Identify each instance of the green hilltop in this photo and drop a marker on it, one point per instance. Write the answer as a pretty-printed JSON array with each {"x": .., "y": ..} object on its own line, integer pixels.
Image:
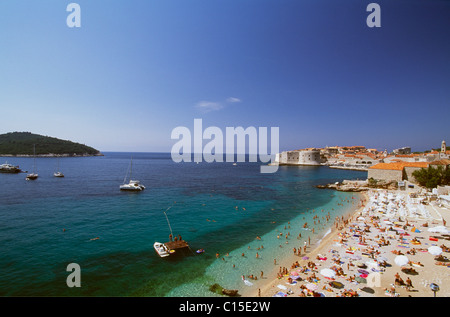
[{"x": 21, "y": 143}]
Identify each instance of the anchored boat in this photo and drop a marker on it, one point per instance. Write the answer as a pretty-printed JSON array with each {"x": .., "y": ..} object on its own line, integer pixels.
[
  {"x": 161, "y": 249},
  {"x": 8, "y": 168},
  {"x": 133, "y": 185},
  {"x": 33, "y": 175}
]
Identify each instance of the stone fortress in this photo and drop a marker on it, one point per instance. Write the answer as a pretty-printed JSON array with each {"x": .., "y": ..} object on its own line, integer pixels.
[{"x": 361, "y": 158}]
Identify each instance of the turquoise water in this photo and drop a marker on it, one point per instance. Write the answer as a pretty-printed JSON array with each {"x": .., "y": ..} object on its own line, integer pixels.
[{"x": 48, "y": 223}]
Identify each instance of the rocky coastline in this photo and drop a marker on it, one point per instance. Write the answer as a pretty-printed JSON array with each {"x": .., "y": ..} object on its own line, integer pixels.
[{"x": 358, "y": 186}]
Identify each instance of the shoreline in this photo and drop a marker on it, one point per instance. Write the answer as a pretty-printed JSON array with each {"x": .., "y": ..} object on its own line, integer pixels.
[
  {"x": 51, "y": 155},
  {"x": 408, "y": 235},
  {"x": 269, "y": 286}
]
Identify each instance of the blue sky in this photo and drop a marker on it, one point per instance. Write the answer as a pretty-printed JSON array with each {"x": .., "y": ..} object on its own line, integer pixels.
[{"x": 137, "y": 69}]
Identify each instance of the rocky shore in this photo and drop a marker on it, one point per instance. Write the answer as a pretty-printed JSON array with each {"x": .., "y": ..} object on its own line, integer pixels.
[{"x": 358, "y": 186}]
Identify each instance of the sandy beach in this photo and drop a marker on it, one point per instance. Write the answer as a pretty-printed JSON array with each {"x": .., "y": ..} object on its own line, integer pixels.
[{"x": 392, "y": 245}]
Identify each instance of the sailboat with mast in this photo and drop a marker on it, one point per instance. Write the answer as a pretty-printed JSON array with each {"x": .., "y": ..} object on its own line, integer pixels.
[
  {"x": 133, "y": 185},
  {"x": 33, "y": 175},
  {"x": 58, "y": 173}
]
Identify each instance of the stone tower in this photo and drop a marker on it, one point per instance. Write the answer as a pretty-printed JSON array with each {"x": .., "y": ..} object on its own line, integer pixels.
[{"x": 443, "y": 147}]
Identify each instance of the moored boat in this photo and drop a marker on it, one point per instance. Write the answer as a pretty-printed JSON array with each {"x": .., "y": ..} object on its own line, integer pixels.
[
  {"x": 33, "y": 175},
  {"x": 133, "y": 185},
  {"x": 58, "y": 173},
  {"x": 161, "y": 249},
  {"x": 9, "y": 168}
]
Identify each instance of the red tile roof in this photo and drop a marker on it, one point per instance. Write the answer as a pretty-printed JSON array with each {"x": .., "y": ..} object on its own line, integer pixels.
[{"x": 399, "y": 165}]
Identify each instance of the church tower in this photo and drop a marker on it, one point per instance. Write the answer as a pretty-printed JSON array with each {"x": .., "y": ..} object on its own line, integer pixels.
[{"x": 443, "y": 147}]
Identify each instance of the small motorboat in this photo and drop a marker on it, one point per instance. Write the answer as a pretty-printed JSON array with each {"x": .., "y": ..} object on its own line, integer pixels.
[{"x": 161, "y": 249}]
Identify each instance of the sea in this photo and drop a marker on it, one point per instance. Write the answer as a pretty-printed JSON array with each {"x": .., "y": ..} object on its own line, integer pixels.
[{"x": 243, "y": 220}]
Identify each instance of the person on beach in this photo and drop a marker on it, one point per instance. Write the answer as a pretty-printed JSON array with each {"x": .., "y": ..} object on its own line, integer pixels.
[{"x": 408, "y": 284}]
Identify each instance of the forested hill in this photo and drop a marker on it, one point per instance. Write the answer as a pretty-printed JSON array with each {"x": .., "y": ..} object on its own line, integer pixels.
[{"x": 21, "y": 143}]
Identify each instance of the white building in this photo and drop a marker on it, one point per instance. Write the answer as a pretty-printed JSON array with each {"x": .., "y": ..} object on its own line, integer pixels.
[{"x": 298, "y": 157}]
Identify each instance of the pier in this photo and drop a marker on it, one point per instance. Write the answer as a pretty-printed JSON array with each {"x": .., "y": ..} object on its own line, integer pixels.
[{"x": 176, "y": 245}]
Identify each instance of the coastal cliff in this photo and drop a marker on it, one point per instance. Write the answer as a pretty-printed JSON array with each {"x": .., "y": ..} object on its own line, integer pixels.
[{"x": 22, "y": 144}]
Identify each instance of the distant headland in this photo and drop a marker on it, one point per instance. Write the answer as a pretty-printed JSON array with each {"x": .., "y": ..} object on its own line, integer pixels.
[{"x": 24, "y": 143}]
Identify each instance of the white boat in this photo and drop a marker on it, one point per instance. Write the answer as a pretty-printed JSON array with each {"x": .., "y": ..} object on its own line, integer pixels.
[
  {"x": 8, "y": 168},
  {"x": 133, "y": 185},
  {"x": 161, "y": 249},
  {"x": 58, "y": 173},
  {"x": 33, "y": 175}
]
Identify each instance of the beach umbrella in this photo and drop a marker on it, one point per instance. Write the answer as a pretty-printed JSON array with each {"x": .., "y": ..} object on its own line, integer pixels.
[
  {"x": 311, "y": 286},
  {"x": 439, "y": 229},
  {"x": 294, "y": 273},
  {"x": 434, "y": 250},
  {"x": 305, "y": 258},
  {"x": 328, "y": 273},
  {"x": 360, "y": 279},
  {"x": 361, "y": 218},
  {"x": 401, "y": 260}
]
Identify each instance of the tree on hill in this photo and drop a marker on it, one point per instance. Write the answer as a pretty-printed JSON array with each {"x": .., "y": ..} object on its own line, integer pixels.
[{"x": 21, "y": 143}]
